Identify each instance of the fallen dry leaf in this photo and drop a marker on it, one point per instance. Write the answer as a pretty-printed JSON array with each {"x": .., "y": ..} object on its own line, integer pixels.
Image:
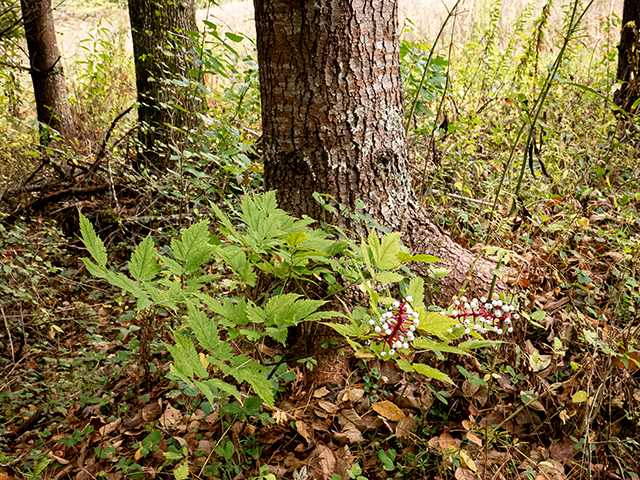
[
  {"x": 305, "y": 430},
  {"x": 403, "y": 429},
  {"x": 389, "y": 410},
  {"x": 151, "y": 410},
  {"x": 472, "y": 438},
  {"x": 109, "y": 428},
  {"x": 170, "y": 417},
  {"x": 563, "y": 450},
  {"x": 323, "y": 462},
  {"x": 468, "y": 461},
  {"x": 350, "y": 435},
  {"x": 352, "y": 395},
  {"x": 328, "y": 406},
  {"x": 349, "y": 415},
  {"x": 464, "y": 474},
  {"x": 447, "y": 441},
  {"x": 320, "y": 392}
]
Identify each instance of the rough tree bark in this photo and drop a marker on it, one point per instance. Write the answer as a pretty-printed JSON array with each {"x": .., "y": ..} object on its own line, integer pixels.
[
  {"x": 629, "y": 57},
  {"x": 163, "y": 53},
  {"x": 47, "y": 76},
  {"x": 332, "y": 120}
]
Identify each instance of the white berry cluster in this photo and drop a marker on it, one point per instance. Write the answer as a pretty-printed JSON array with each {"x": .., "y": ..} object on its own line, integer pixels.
[
  {"x": 483, "y": 316},
  {"x": 395, "y": 327}
]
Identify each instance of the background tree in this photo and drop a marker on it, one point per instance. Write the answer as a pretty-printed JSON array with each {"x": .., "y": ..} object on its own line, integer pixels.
[
  {"x": 332, "y": 119},
  {"x": 629, "y": 56},
  {"x": 162, "y": 51},
  {"x": 47, "y": 75}
]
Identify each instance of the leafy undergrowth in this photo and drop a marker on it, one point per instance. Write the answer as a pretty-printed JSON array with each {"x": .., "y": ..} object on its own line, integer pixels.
[{"x": 559, "y": 398}]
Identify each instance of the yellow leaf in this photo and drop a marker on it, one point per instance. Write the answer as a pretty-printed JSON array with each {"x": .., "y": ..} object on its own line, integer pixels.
[
  {"x": 579, "y": 397},
  {"x": 203, "y": 360},
  {"x": 389, "y": 410},
  {"x": 470, "y": 464}
]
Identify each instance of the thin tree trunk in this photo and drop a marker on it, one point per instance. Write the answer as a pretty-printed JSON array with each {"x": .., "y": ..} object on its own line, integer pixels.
[
  {"x": 46, "y": 69},
  {"x": 629, "y": 57},
  {"x": 163, "y": 53},
  {"x": 332, "y": 118}
]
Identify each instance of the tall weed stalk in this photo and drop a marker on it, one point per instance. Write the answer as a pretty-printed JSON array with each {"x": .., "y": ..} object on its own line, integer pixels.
[{"x": 573, "y": 23}]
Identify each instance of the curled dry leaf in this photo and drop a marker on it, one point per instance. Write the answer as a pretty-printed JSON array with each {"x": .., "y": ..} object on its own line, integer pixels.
[
  {"x": 151, "y": 410},
  {"x": 109, "y": 428},
  {"x": 473, "y": 439},
  {"x": 305, "y": 430},
  {"x": 468, "y": 461},
  {"x": 351, "y": 395}
]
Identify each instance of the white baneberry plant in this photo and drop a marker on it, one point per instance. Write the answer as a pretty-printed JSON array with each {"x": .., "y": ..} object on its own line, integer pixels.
[
  {"x": 483, "y": 317},
  {"x": 396, "y": 327}
]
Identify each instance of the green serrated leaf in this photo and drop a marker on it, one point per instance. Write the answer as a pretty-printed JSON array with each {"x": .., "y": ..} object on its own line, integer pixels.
[
  {"x": 245, "y": 370},
  {"x": 144, "y": 264},
  {"x": 94, "y": 244},
  {"x": 186, "y": 359},
  {"x": 125, "y": 283},
  {"x": 404, "y": 365},
  {"x": 422, "y": 342},
  {"x": 236, "y": 258},
  {"x": 474, "y": 344},
  {"x": 288, "y": 310},
  {"x": 214, "y": 384},
  {"x": 93, "y": 269},
  {"x": 431, "y": 372},
  {"x": 385, "y": 252},
  {"x": 205, "y": 329},
  {"x": 423, "y": 257},
  {"x": 193, "y": 248},
  {"x": 416, "y": 290},
  {"x": 181, "y": 472},
  {"x": 389, "y": 277},
  {"x": 435, "y": 323},
  {"x": 296, "y": 238},
  {"x": 347, "y": 330}
]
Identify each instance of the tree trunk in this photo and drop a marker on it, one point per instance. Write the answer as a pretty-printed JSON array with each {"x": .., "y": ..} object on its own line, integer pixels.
[
  {"x": 629, "y": 57},
  {"x": 163, "y": 53},
  {"x": 46, "y": 70},
  {"x": 332, "y": 119}
]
